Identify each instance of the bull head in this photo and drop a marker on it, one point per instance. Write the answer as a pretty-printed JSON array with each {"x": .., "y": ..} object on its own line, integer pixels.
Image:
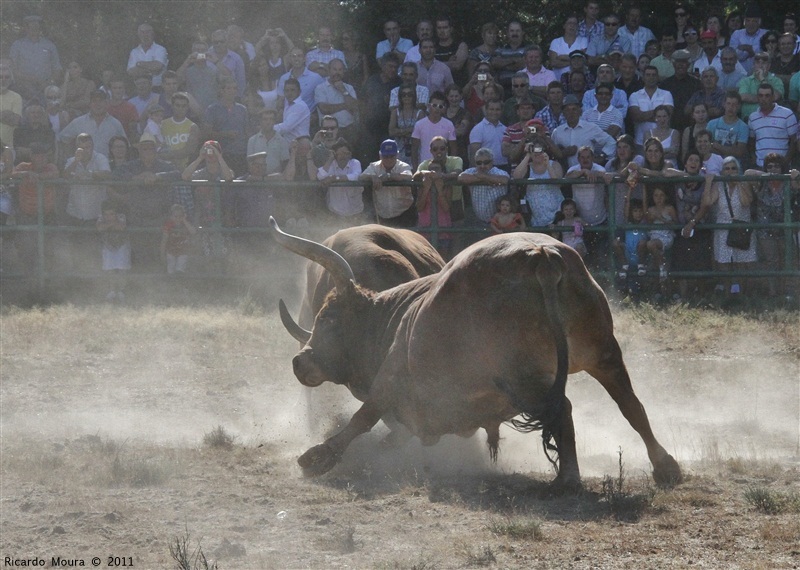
[{"x": 334, "y": 263}]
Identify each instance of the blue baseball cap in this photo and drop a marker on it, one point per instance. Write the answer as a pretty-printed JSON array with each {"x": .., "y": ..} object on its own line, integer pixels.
[{"x": 388, "y": 148}]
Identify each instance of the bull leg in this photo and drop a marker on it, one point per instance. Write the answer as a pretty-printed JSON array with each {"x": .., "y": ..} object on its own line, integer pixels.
[
  {"x": 612, "y": 374},
  {"x": 398, "y": 433},
  {"x": 323, "y": 457},
  {"x": 569, "y": 474}
]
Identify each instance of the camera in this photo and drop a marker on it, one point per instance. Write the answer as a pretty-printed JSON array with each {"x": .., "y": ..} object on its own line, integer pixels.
[
  {"x": 326, "y": 134},
  {"x": 531, "y": 130},
  {"x": 482, "y": 77}
]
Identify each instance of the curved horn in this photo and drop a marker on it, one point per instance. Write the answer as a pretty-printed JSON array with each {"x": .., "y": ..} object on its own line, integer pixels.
[
  {"x": 334, "y": 263},
  {"x": 299, "y": 333}
]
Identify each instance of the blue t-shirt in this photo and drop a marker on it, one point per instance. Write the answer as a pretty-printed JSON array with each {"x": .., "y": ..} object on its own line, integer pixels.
[{"x": 728, "y": 135}]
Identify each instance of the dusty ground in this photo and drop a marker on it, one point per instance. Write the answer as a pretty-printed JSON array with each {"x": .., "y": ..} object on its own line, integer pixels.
[{"x": 103, "y": 413}]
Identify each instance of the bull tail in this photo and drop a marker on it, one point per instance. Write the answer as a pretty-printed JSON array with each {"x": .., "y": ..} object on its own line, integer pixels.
[{"x": 550, "y": 269}]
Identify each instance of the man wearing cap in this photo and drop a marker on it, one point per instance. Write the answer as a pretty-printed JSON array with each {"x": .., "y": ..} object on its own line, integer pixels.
[
  {"x": 747, "y": 40},
  {"x": 642, "y": 104},
  {"x": 576, "y": 133},
  {"x": 148, "y": 58},
  {"x": 394, "y": 205},
  {"x": 577, "y": 63},
  {"x": 681, "y": 86},
  {"x": 273, "y": 145},
  {"x": 604, "y": 114},
  {"x": 663, "y": 61},
  {"x": 514, "y": 137},
  {"x": 35, "y": 60},
  {"x": 97, "y": 123},
  {"x": 602, "y": 45},
  {"x": 748, "y": 86}
]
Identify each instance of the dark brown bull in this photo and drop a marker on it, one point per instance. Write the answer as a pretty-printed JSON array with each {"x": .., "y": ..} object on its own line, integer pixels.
[{"x": 489, "y": 339}]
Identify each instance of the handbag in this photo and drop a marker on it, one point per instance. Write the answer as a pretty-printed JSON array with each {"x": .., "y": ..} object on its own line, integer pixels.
[{"x": 738, "y": 236}]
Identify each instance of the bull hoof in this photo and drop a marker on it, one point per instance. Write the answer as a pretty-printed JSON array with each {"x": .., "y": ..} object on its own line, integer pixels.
[
  {"x": 667, "y": 473},
  {"x": 318, "y": 460}
]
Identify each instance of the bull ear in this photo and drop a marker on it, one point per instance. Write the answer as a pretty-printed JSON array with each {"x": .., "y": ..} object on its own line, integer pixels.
[
  {"x": 334, "y": 263},
  {"x": 298, "y": 333}
]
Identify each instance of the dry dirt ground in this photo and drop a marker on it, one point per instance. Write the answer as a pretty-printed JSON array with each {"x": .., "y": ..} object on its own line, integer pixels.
[{"x": 104, "y": 411}]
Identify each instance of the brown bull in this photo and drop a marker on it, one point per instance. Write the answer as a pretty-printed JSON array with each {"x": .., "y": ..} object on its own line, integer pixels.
[{"x": 489, "y": 339}]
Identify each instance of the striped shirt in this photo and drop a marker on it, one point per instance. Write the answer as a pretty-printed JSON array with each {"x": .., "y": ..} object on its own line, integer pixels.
[
  {"x": 605, "y": 119},
  {"x": 772, "y": 131}
]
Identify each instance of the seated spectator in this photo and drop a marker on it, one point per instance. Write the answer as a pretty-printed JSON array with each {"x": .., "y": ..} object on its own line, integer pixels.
[
  {"x": 237, "y": 44},
  {"x": 577, "y": 85},
  {"x": 428, "y": 127},
  {"x": 485, "y": 51},
  {"x": 457, "y": 114},
  {"x": 10, "y": 107},
  {"x": 637, "y": 34},
  {"x": 337, "y": 98},
  {"x": 618, "y": 166},
  {"x": 58, "y": 116},
  {"x": 345, "y": 202},
  {"x": 663, "y": 61},
  {"x": 510, "y": 57},
  {"x": 169, "y": 86},
  {"x": 507, "y": 219},
  {"x": 487, "y": 183},
  {"x": 520, "y": 89},
  {"x": 577, "y": 64},
  {"x": 393, "y": 42},
  {"x": 260, "y": 80},
  {"x": 394, "y": 205},
  {"x": 773, "y": 128},
  {"x": 424, "y": 32},
  {"x": 320, "y": 57},
  {"x": 711, "y": 162}
]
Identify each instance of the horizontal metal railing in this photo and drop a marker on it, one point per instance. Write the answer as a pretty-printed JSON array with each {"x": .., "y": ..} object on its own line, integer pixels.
[{"x": 284, "y": 189}]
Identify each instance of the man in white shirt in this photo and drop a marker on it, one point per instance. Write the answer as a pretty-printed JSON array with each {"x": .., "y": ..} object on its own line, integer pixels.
[
  {"x": 642, "y": 104},
  {"x": 148, "y": 58},
  {"x": 636, "y": 33},
  {"x": 424, "y": 32},
  {"x": 576, "y": 133},
  {"x": 337, "y": 98},
  {"x": 393, "y": 42},
  {"x": 296, "y": 116}
]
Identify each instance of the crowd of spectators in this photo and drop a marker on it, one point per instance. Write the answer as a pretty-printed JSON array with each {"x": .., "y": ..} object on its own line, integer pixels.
[{"x": 608, "y": 104}]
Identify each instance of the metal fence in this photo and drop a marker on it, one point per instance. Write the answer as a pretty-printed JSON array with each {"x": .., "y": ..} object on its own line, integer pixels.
[{"x": 283, "y": 190}]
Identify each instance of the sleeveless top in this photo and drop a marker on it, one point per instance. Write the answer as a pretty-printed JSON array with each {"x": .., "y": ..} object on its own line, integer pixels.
[{"x": 404, "y": 143}]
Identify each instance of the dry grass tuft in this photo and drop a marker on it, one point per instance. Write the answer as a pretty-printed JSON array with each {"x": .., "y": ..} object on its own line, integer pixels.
[
  {"x": 218, "y": 438},
  {"x": 518, "y": 529},
  {"x": 772, "y": 502},
  {"x": 484, "y": 556},
  {"x": 188, "y": 558}
]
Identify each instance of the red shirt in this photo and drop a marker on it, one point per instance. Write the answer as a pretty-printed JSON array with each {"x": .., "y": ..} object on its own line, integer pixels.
[
  {"x": 126, "y": 114},
  {"x": 28, "y": 201}
]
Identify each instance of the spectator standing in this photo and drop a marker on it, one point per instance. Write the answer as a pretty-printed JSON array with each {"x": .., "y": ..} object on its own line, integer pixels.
[
  {"x": 432, "y": 73},
  {"x": 273, "y": 145},
  {"x": 76, "y": 90},
  {"x": 487, "y": 184},
  {"x": 376, "y": 96},
  {"x": 486, "y": 51},
  {"x": 619, "y": 100},
  {"x": 642, "y": 104},
  {"x": 394, "y": 205},
  {"x": 489, "y": 134},
  {"x": 732, "y": 71},
  {"x": 143, "y": 98},
  {"x": 576, "y": 133},
  {"x": 356, "y": 63},
  {"x": 115, "y": 249},
  {"x": 34, "y": 129},
  {"x": 591, "y": 198},
  {"x": 510, "y": 58},
  {"x": 747, "y": 41},
  {"x": 786, "y": 63},
  {"x": 122, "y": 109},
  {"x": 35, "y": 60},
  {"x": 729, "y": 132},
  {"x": 749, "y": 86},
  {"x": 544, "y": 200},
  {"x": 516, "y": 134},
  {"x": 176, "y": 244},
  {"x": 148, "y": 58},
  {"x": 637, "y": 34},
  {"x": 435, "y": 124},
  {"x": 296, "y": 118},
  {"x": 424, "y": 32},
  {"x": 710, "y": 94},
  {"x": 318, "y": 59},
  {"x": 681, "y": 86},
  {"x": 337, "y": 98},
  {"x": 603, "y": 114},
  {"x": 10, "y": 107},
  {"x": 591, "y": 26},
  {"x": 237, "y": 43},
  {"x": 200, "y": 76},
  {"x": 307, "y": 79},
  {"x": 393, "y": 42},
  {"x": 221, "y": 56},
  {"x": 439, "y": 172},
  {"x": 560, "y": 49},
  {"x": 552, "y": 114},
  {"x": 539, "y": 77},
  {"x": 773, "y": 128},
  {"x": 450, "y": 50},
  {"x": 119, "y": 152},
  {"x": 409, "y": 75},
  {"x": 181, "y": 136},
  {"x": 601, "y": 46},
  {"x": 97, "y": 123},
  {"x": 663, "y": 61},
  {"x": 344, "y": 202},
  {"x": 227, "y": 123},
  {"x": 403, "y": 120}
]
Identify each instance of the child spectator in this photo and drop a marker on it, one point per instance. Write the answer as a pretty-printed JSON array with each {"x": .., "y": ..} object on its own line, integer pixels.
[
  {"x": 153, "y": 126},
  {"x": 567, "y": 216},
  {"x": 176, "y": 240},
  {"x": 660, "y": 240},
  {"x": 633, "y": 251},
  {"x": 507, "y": 218},
  {"x": 116, "y": 249}
]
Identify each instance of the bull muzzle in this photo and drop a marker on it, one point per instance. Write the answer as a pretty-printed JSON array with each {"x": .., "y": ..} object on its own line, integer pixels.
[{"x": 306, "y": 371}]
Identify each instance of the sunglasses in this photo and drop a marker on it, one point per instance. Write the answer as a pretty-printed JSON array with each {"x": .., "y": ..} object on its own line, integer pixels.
[
  {"x": 518, "y": 85},
  {"x": 483, "y": 162},
  {"x": 437, "y": 105}
]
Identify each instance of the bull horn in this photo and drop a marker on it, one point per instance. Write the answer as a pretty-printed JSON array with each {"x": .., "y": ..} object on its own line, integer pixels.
[
  {"x": 299, "y": 333},
  {"x": 334, "y": 263}
]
